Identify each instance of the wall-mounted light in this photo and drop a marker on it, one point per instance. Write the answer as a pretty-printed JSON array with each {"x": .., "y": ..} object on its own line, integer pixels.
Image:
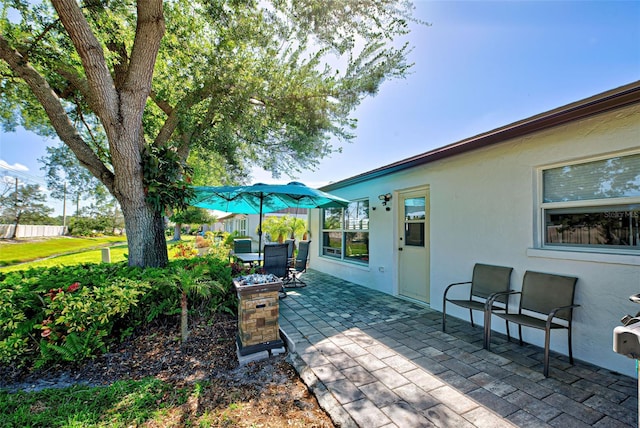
[{"x": 385, "y": 198}]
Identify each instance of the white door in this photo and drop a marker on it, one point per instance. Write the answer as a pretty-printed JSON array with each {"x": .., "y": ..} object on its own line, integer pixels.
[{"x": 413, "y": 244}]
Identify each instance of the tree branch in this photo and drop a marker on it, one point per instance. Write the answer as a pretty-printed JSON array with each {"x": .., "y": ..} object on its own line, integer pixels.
[
  {"x": 88, "y": 47},
  {"x": 173, "y": 119},
  {"x": 56, "y": 113},
  {"x": 137, "y": 85}
]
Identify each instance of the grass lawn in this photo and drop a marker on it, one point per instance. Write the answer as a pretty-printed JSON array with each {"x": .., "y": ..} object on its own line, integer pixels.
[
  {"x": 22, "y": 251},
  {"x": 123, "y": 404},
  {"x": 72, "y": 251},
  {"x": 118, "y": 254}
]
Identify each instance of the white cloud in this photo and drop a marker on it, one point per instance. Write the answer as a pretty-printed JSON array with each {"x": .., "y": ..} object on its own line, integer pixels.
[{"x": 14, "y": 167}]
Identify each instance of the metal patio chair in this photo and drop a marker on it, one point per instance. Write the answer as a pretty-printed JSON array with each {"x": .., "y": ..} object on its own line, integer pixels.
[
  {"x": 299, "y": 265},
  {"x": 241, "y": 245},
  {"x": 485, "y": 282},
  {"x": 275, "y": 262},
  {"x": 546, "y": 303}
]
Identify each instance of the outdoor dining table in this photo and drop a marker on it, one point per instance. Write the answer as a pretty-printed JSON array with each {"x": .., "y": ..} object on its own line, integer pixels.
[{"x": 250, "y": 258}]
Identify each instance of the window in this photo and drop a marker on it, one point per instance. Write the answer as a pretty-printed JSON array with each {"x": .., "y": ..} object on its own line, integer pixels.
[
  {"x": 414, "y": 221},
  {"x": 236, "y": 224},
  {"x": 593, "y": 205},
  {"x": 345, "y": 232}
]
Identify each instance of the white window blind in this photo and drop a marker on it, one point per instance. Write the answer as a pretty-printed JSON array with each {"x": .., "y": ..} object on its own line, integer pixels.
[{"x": 617, "y": 177}]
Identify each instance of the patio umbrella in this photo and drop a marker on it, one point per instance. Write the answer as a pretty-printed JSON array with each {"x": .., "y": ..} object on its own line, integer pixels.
[{"x": 263, "y": 198}]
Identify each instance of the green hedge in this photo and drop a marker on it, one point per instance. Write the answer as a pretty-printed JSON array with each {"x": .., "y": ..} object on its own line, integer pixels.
[{"x": 49, "y": 315}]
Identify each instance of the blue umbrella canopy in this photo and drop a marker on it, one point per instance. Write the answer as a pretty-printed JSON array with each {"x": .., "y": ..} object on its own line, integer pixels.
[{"x": 263, "y": 198}]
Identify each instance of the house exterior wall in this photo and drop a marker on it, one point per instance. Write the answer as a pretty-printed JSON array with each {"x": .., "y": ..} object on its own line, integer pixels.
[{"x": 484, "y": 209}]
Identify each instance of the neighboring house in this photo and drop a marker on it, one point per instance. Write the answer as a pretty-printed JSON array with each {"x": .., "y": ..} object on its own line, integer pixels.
[
  {"x": 247, "y": 224},
  {"x": 558, "y": 192}
]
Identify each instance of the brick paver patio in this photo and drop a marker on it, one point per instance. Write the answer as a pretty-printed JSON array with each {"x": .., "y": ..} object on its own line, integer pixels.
[{"x": 374, "y": 360}]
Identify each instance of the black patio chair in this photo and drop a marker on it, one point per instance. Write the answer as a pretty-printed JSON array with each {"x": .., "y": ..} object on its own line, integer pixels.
[
  {"x": 485, "y": 282},
  {"x": 275, "y": 262},
  {"x": 291, "y": 243},
  {"x": 546, "y": 303},
  {"x": 299, "y": 265},
  {"x": 241, "y": 245}
]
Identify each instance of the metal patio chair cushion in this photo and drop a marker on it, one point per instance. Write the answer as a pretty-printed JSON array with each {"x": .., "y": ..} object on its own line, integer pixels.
[
  {"x": 485, "y": 282},
  {"x": 546, "y": 303}
]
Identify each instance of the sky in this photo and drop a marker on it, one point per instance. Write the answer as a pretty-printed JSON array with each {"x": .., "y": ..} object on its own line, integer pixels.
[{"x": 478, "y": 66}]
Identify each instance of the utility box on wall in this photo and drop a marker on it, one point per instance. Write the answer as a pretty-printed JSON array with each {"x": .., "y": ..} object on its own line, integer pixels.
[{"x": 258, "y": 312}]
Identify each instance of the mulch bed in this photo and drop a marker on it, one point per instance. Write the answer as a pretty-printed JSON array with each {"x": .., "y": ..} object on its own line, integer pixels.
[{"x": 263, "y": 393}]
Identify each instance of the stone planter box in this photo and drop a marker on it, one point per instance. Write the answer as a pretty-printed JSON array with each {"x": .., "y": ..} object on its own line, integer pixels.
[{"x": 258, "y": 312}]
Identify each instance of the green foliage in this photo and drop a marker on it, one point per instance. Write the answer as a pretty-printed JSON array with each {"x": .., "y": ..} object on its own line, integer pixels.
[
  {"x": 192, "y": 215},
  {"x": 89, "y": 226},
  {"x": 218, "y": 249},
  {"x": 166, "y": 178},
  {"x": 183, "y": 250},
  {"x": 75, "y": 312},
  {"x": 244, "y": 83},
  {"x": 74, "y": 347},
  {"x": 24, "y": 205},
  {"x": 281, "y": 228},
  {"x": 228, "y": 240},
  {"x": 67, "y": 178}
]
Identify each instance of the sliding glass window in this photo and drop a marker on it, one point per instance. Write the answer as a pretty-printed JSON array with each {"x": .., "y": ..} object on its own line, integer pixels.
[{"x": 345, "y": 232}]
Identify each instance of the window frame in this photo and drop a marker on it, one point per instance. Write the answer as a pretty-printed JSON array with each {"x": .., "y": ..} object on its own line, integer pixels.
[
  {"x": 623, "y": 203},
  {"x": 343, "y": 230}
]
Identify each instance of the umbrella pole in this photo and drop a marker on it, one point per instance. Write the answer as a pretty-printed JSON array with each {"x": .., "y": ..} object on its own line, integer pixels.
[{"x": 260, "y": 229}]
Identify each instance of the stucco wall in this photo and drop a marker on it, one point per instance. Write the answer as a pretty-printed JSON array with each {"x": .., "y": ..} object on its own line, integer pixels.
[{"x": 484, "y": 209}]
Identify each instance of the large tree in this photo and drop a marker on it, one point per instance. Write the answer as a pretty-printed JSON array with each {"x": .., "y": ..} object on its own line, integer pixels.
[{"x": 133, "y": 87}]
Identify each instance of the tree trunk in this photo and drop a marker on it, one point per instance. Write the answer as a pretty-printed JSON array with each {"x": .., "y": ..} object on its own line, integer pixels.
[
  {"x": 145, "y": 236},
  {"x": 176, "y": 232},
  {"x": 184, "y": 318},
  {"x": 15, "y": 227}
]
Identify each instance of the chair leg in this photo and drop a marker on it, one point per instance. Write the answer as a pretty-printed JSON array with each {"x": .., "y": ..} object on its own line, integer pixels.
[
  {"x": 488, "y": 338},
  {"x": 444, "y": 313},
  {"x": 508, "y": 333},
  {"x": 569, "y": 343},
  {"x": 297, "y": 282},
  {"x": 547, "y": 333},
  {"x": 520, "y": 334},
  {"x": 471, "y": 317},
  {"x": 487, "y": 328}
]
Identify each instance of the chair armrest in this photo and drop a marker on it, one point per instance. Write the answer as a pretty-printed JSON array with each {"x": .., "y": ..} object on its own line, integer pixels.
[
  {"x": 446, "y": 290},
  {"x": 554, "y": 311},
  {"x": 488, "y": 304}
]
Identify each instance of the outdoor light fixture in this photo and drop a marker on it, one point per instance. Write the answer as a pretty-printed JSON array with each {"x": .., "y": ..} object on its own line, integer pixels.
[{"x": 385, "y": 198}]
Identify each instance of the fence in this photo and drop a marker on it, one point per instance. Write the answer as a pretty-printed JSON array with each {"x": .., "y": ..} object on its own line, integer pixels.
[{"x": 31, "y": 231}]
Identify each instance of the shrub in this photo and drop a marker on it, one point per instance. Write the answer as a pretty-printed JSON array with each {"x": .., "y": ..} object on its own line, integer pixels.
[
  {"x": 89, "y": 226},
  {"x": 183, "y": 251},
  {"x": 79, "y": 318},
  {"x": 48, "y": 315}
]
